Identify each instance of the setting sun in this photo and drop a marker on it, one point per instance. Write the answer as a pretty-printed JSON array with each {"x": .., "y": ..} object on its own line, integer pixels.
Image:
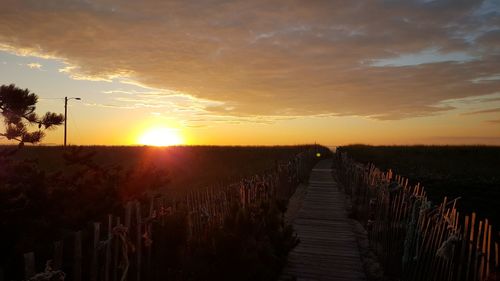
[{"x": 161, "y": 137}]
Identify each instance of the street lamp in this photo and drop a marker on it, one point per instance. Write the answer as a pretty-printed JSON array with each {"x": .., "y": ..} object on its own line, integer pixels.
[{"x": 66, "y": 115}]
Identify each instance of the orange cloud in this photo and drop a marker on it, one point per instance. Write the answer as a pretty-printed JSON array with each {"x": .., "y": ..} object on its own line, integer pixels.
[
  {"x": 261, "y": 58},
  {"x": 486, "y": 111}
]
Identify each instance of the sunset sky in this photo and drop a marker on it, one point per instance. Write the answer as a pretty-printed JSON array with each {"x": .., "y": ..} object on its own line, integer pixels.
[{"x": 260, "y": 72}]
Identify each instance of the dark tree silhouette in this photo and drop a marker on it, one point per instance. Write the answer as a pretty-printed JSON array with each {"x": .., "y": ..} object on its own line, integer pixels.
[{"x": 17, "y": 107}]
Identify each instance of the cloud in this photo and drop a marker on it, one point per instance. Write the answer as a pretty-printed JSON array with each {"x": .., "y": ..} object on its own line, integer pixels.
[
  {"x": 472, "y": 100},
  {"x": 424, "y": 57},
  {"x": 165, "y": 103},
  {"x": 486, "y": 111},
  {"x": 34, "y": 65},
  {"x": 486, "y": 78},
  {"x": 261, "y": 58},
  {"x": 496, "y": 121}
]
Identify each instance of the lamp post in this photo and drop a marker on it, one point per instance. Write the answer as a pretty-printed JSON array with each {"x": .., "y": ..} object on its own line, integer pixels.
[{"x": 66, "y": 116}]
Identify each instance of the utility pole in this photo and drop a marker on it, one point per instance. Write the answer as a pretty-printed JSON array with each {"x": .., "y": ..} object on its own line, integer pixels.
[{"x": 66, "y": 116}]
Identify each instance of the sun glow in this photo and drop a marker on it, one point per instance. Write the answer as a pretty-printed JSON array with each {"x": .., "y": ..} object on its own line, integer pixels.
[{"x": 161, "y": 137}]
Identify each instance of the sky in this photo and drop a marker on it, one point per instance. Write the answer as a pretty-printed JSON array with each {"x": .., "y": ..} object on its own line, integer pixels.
[{"x": 260, "y": 72}]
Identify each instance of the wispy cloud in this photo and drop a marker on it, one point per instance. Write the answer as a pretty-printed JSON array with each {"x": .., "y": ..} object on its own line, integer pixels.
[
  {"x": 423, "y": 57},
  {"x": 486, "y": 78},
  {"x": 485, "y": 111},
  {"x": 495, "y": 121},
  {"x": 107, "y": 105},
  {"x": 34, "y": 65}
]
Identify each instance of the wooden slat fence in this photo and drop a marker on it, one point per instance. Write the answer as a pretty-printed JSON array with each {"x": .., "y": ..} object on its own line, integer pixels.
[
  {"x": 122, "y": 246},
  {"x": 414, "y": 239}
]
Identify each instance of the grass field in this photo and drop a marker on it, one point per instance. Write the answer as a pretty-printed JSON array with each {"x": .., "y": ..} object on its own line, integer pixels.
[
  {"x": 469, "y": 172},
  {"x": 47, "y": 193},
  {"x": 187, "y": 166},
  {"x": 83, "y": 182}
]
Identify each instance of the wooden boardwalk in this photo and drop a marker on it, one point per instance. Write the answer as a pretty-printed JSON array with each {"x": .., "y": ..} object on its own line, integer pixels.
[{"x": 328, "y": 249}]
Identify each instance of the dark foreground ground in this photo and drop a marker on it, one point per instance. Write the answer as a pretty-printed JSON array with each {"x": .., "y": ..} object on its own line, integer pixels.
[
  {"x": 49, "y": 192},
  {"x": 469, "y": 172}
]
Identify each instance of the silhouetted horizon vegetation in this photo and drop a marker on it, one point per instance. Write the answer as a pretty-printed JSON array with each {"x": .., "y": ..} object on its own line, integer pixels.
[
  {"x": 470, "y": 172},
  {"x": 224, "y": 161}
]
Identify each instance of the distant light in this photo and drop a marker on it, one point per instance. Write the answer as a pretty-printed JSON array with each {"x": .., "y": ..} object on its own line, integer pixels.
[{"x": 318, "y": 154}]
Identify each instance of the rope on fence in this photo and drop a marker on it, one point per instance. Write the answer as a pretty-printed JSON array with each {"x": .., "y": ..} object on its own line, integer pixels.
[{"x": 49, "y": 274}]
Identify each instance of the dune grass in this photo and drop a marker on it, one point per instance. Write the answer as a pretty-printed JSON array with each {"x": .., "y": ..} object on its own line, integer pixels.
[{"x": 469, "y": 172}]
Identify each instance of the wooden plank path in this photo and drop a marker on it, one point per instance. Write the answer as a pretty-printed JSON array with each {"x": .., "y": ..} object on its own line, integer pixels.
[{"x": 328, "y": 249}]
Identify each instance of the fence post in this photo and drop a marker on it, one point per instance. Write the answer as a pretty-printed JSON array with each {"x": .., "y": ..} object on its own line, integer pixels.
[
  {"x": 116, "y": 253},
  {"x": 108, "y": 248},
  {"x": 471, "y": 240},
  {"x": 95, "y": 252},
  {"x": 58, "y": 254},
  {"x": 77, "y": 266},
  {"x": 138, "y": 238},
  {"x": 149, "y": 231},
  {"x": 128, "y": 223},
  {"x": 29, "y": 265},
  {"x": 128, "y": 216}
]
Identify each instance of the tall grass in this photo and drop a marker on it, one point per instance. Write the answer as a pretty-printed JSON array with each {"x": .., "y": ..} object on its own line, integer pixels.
[{"x": 469, "y": 172}]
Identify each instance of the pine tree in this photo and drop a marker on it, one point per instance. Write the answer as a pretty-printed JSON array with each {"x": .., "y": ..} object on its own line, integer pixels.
[{"x": 17, "y": 107}]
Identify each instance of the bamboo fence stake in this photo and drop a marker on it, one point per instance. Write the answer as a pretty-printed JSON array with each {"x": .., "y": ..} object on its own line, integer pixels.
[
  {"x": 138, "y": 233},
  {"x": 77, "y": 266},
  {"x": 463, "y": 247},
  {"x": 149, "y": 231},
  {"x": 58, "y": 255},
  {"x": 437, "y": 240},
  {"x": 496, "y": 254},
  {"x": 95, "y": 252},
  {"x": 29, "y": 265},
  {"x": 471, "y": 240},
  {"x": 107, "y": 266},
  {"x": 116, "y": 253},
  {"x": 428, "y": 251},
  {"x": 128, "y": 216},
  {"x": 189, "y": 217},
  {"x": 488, "y": 254},
  {"x": 478, "y": 243},
  {"x": 483, "y": 250}
]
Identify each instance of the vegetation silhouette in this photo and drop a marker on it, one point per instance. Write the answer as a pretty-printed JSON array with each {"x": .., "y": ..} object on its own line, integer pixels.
[
  {"x": 469, "y": 172},
  {"x": 39, "y": 206},
  {"x": 17, "y": 107}
]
